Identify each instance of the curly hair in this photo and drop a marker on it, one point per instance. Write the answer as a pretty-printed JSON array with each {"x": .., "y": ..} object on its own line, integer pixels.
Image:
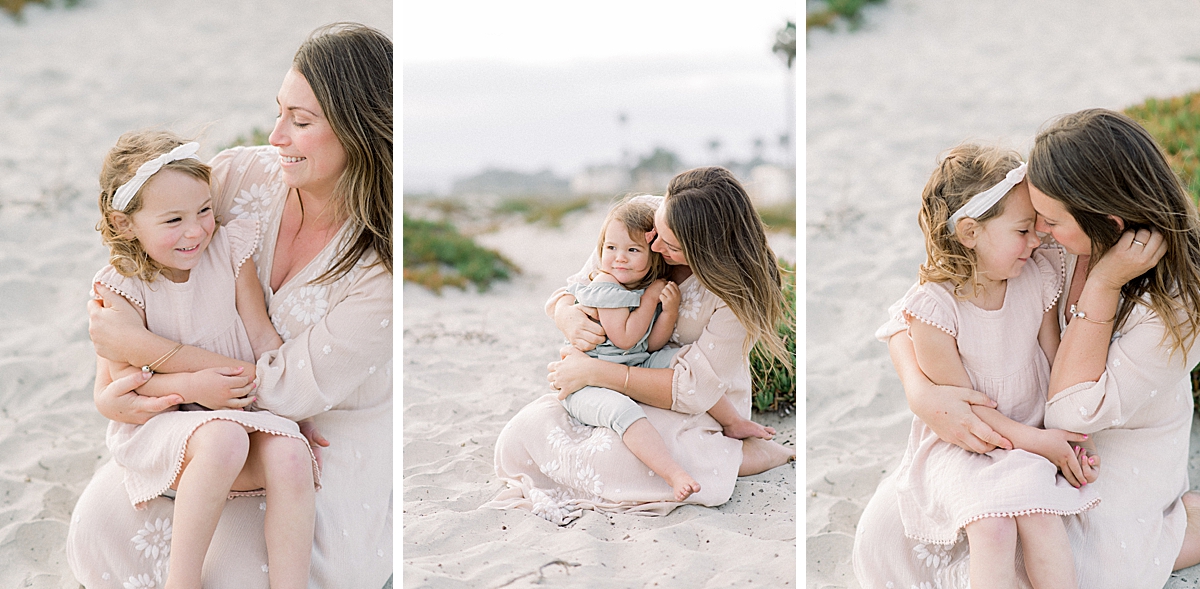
[
  {"x": 133, "y": 149},
  {"x": 964, "y": 171}
]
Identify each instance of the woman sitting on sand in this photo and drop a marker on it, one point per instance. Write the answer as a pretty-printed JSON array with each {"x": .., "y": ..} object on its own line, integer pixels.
[
  {"x": 710, "y": 234},
  {"x": 323, "y": 194},
  {"x": 1104, "y": 190}
]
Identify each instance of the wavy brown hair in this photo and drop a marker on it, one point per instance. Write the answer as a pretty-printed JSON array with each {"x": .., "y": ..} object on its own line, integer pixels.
[
  {"x": 964, "y": 171},
  {"x": 1098, "y": 163},
  {"x": 638, "y": 219},
  {"x": 349, "y": 67},
  {"x": 725, "y": 244},
  {"x": 133, "y": 149}
]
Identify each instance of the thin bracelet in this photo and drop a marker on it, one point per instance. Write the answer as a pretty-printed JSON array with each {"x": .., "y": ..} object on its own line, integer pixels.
[
  {"x": 153, "y": 366},
  {"x": 1076, "y": 313},
  {"x": 625, "y": 387}
]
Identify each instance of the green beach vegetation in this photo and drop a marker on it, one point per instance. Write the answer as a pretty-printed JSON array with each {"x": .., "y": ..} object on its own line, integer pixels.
[
  {"x": 436, "y": 255},
  {"x": 15, "y": 8},
  {"x": 827, "y": 13},
  {"x": 774, "y": 385}
]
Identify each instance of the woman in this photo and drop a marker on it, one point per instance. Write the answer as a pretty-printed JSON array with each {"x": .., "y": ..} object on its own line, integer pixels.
[
  {"x": 1129, "y": 313},
  {"x": 708, "y": 230},
  {"x": 322, "y": 192}
]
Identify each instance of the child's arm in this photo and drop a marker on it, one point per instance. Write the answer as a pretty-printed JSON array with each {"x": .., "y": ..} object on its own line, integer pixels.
[
  {"x": 1048, "y": 335},
  {"x": 252, "y": 307},
  {"x": 660, "y": 334},
  {"x": 624, "y": 327}
]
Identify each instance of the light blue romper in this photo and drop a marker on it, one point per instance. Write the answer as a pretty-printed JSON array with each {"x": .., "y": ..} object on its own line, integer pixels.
[{"x": 606, "y": 407}]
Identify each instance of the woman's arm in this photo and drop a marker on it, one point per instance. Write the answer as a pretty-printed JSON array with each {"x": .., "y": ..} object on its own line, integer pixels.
[
  {"x": 252, "y": 308},
  {"x": 660, "y": 334},
  {"x": 1083, "y": 352},
  {"x": 576, "y": 370},
  {"x": 118, "y": 399},
  {"x": 579, "y": 329}
]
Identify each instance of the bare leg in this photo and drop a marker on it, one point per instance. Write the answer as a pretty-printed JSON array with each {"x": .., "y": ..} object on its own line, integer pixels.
[
  {"x": 762, "y": 455},
  {"x": 993, "y": 542},
  {"x": 1189, "y": 555},
  {"x": 215, "y": 455},
  {"x": 283, "y": 466},
  {"x": 735, "y": 425},
  {"x": 1047, "y": 551},
  {"x": 644, "y": 441}
]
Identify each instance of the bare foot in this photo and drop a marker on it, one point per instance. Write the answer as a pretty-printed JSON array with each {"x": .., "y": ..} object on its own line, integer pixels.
[
  {"x": 762, "y": 455},
  {"x": 684, "y": 485},
  {"x": 1189, "y": 554},
  {"x": 744, "y": 428}
]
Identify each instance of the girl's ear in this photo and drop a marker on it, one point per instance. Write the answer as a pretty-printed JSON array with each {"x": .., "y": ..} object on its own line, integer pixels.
[
  {"x": 1119, "y": 221},
  {"x": 120, "y": 222},
  {"x": 967, "y": 232}
]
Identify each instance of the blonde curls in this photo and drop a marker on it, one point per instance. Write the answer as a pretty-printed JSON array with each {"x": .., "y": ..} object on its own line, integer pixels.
[
  {"x": 964, "y": 171},
  {"x": 133, "y": 149}
]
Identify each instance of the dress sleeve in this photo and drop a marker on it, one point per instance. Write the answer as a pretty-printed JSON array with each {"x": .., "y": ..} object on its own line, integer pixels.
[
  {"x": 896, "y": 321},
  {"x": 933, "y": 304},
  {"x": 326, "y": 364},
  {"x": 605, "y": 295},
  {"x": 224, "y": 187},
  {"x": 130, "y": 288},
  {"x": 243, "y": 240},
  {"x": 1051, "y": 263},
  {"x": 696, "y": 385},
  {"x": 1139, "y": 367}
]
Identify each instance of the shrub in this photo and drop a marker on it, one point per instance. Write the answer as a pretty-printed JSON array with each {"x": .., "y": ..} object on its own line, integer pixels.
[
  {"x": 436, "y": 255},
  {"x": 774, "y": 385}
]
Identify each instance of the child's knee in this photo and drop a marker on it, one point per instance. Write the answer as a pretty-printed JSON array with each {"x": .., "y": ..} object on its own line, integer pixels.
[
  {"x": 286, "y": 458},
  {"x": 994, "y": 531},
  {"x": 222, "y": 441}
]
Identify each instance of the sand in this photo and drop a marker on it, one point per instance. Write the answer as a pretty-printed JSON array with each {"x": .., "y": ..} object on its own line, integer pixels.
[
  {"x": 471, "y": 361},
  {"x": 73, "y": 80},
  {"x": 881, "y": 103}
]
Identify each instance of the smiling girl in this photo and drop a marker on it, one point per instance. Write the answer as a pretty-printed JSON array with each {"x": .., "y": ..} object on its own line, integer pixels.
[{"x": 194, "y": 282}]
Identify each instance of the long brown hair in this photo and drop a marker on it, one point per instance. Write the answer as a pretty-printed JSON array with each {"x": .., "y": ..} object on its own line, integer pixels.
[
  {"x": 349, "y": 67},
  {"x": 1098, "y": 163},
  {"x": 725, "y": 244},
  {"x": 133, "y": 149},
  {"x": 965, "y": 170}
]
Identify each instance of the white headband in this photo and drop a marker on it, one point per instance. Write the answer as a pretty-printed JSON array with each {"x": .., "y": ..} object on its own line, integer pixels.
[
  {"x": 982, "y": 202},
  {"x": 125, "y": 193}
]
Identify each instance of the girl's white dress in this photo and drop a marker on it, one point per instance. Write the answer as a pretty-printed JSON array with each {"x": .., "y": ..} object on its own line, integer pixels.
[
  {"x": 201, "y": 312},
  {"x": 943, "y": 487}
]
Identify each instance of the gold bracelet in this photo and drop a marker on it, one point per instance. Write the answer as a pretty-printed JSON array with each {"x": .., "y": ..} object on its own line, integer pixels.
[
  {"x": 625, "y": 387},
  {"x": 1076, "y": 313},
  {"x": 153, "y": 366}
]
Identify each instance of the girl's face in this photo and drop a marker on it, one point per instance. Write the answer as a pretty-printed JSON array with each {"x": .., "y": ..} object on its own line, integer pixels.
[
  {"x": 627, "y": 259},
  {"x": 666, "y": 242},
  {"x": 1003, "y": 244},
  {"x": 1054, "y": 219},
  {"x": 175, "y": 223},
  {"x": 311, "y": 155}
]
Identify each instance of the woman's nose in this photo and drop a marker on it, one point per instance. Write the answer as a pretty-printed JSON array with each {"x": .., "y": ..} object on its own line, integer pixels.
[{"x": 277, "y": 136}]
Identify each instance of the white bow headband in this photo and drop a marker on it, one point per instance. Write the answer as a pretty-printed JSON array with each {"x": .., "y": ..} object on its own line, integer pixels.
[
  {"x": 125, "y": 193},
  {"x": 980, "y": 203}
]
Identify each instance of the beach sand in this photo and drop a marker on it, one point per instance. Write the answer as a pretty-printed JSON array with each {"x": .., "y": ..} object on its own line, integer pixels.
[
  {"x": 471, "y": 361},
  {"x": 882, "y": 102},
  {"x": 73, "y": 80}
]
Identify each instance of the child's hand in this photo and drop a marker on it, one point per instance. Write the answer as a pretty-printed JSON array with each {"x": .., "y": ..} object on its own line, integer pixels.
[
  {"x": 654, "y": 290},
  {"x": 670, "y": 298},
  {"x": 222, "y": 388},
  {"x": 1090, "y": 463},
  {"x": 1055, "y": 445}
]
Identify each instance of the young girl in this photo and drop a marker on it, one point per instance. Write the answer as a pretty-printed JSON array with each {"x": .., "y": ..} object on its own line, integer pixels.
[
  {"x": 983, "y": 317},
  {"x": 638, "y": 308},
  {"x": 194, "y": 282}
]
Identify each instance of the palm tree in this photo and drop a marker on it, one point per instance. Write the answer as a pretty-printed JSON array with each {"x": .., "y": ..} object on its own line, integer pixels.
[{"x": 785, "y": 48}]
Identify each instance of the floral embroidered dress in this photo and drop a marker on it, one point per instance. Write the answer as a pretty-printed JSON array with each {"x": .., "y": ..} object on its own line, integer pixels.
[
  {"x": 200, "y": 312},
  {"x": 556, "y": 467},
  {"x": 1138, "y": 414},
  {"x": 335, "y": 366},
  {"x": 942, "y": 487}
]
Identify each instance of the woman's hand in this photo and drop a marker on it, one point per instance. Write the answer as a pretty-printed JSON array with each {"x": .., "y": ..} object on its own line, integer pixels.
[
  {"x": 221, "y": 388},
  {"x": 112, "y": 323},
  {"x": 1055, "y": 445},
  {"x": 947, "y": 411},
  {"x": 1134, "y": 253},
  {"x": 315, "y": 440},
  {"x": 580, "y": 330},
  {"x": 119, "y": 400},
  {"x": 571, "y": 373}
]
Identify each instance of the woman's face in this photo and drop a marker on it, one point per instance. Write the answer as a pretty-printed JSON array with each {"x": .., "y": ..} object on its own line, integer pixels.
[
  {"x": 1054, "y": 219},
  {"x": 311, "y": 155},
  {"x": 666, "y": 243}
]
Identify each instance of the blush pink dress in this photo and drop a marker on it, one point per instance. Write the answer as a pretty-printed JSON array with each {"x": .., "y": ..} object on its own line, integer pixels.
[
  {"x": 200, "y": 312},
  {"x": 942, "y": 487}
]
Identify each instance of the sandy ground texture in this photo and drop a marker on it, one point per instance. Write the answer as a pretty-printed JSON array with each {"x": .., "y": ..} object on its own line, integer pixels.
[
  {"x": 73, "y": 80},
  {"x": 882, "y": 102},
  {"x": 471, "y": 361}
]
